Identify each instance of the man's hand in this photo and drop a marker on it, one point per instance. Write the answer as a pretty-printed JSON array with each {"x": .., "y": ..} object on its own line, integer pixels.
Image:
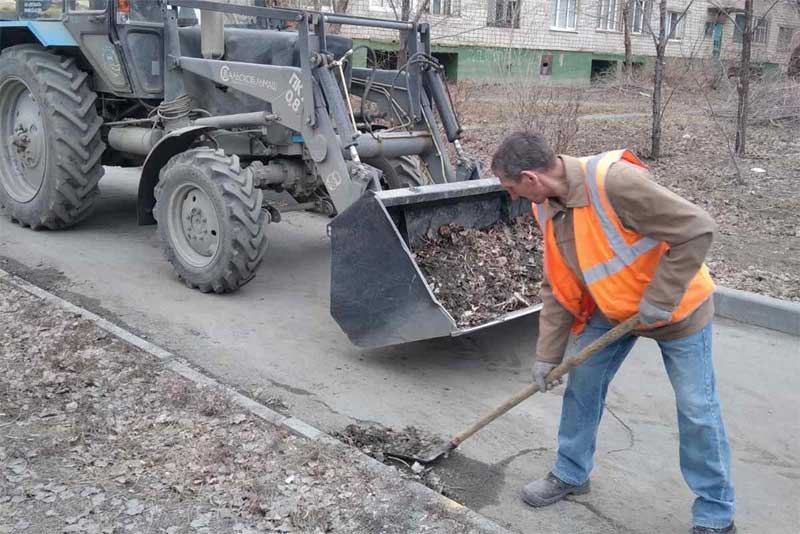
[
  {"x": 540, "y": 372},
  {"x": 651, "y": 315}
]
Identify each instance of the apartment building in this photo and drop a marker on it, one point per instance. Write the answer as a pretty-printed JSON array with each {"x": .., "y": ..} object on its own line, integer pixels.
[{"x": 569, "y": 41}]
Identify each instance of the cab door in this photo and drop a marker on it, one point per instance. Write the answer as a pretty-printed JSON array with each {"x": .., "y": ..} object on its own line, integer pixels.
[
  {"x": 139, "y": 27},
  {"x": 89, "y": 22}
]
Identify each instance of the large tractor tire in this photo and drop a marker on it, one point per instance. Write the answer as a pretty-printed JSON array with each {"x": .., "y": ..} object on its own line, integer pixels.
[
  {"x": 50, "y": 146},
  {"x": 210, "y": 220},
  {"x": 402, "y": 171}
]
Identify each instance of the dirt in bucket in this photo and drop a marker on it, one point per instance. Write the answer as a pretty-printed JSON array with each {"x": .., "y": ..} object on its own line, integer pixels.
[{"x": 479, "y": 275}]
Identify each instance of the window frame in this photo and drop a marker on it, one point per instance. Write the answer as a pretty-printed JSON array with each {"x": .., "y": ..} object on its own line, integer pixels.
[
  {"x": 453, "y": 8},
  {"x": 603, "y": 18},
  {"x": 757, "y": 30},
  {"x": 738, "y": 31},
  {"x": 645, "y": 10},
  {"x": 516, "y": 16},
  {"x": 788, "y": 44},
  {"x": 681, "y": 25},
  {"x": 555, "y": 11}
]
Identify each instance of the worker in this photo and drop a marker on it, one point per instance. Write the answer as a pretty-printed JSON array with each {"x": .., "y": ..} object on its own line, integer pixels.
[{"x": 616, "y": 244}]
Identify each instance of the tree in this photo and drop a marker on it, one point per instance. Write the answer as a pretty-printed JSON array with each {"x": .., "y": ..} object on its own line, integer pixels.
[
  {"x": 743, "y": 85},
  {"x": 628, "y": 8},
  {"x": 660, "y": 40},
  {"x": 405, "y": 15},
  {"x": 745, "y": 71}
]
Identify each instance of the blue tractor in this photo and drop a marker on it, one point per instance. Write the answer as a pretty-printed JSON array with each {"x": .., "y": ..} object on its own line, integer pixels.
[{"x": 226, "y": 107}]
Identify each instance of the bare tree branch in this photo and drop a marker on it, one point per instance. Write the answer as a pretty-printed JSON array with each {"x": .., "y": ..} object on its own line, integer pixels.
[{"x": 422, "y": 9}]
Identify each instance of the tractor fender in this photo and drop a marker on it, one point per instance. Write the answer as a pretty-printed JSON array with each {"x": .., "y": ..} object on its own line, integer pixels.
[
  {"x": 173, "y": 143},
  {"x": 46, "y": 33}
]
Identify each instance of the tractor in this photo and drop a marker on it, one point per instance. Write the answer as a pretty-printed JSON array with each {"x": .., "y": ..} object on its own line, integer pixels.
[{"x": 227, "y": 108}]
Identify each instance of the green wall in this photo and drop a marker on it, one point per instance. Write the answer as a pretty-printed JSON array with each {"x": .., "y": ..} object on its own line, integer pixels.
[{"x": 486, "y": 64}]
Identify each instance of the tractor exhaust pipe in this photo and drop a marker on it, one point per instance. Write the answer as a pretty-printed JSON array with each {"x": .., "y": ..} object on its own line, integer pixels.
[{"x": 134, "y": 139}]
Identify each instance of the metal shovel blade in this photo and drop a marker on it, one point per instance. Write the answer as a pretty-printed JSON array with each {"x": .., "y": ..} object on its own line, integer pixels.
[{"x": 427, "y": 456}]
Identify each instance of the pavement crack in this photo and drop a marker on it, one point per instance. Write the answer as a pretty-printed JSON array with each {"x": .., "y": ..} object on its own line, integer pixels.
[
  {"x": 290, "y": 389},
  {"x": 593, "y": 509},
  {"x": 631, "y": 435}
]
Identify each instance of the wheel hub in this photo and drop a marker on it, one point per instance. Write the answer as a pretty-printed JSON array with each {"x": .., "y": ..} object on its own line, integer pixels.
[
  {"x": 22, "y": 159},
  {"x": 27, "y": 145},
  {"x": 200, "y": 226}
]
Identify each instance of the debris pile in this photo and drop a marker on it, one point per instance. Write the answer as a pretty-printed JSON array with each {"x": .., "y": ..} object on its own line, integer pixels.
[
  {"x": 479, "y": 275},
  {"x": 384, "y": 444}
]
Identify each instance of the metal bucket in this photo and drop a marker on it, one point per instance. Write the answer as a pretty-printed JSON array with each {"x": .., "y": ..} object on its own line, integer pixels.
[{"x": 379, "y": 295}]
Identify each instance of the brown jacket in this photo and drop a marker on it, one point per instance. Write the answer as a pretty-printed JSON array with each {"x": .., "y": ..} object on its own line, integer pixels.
[{"x": 650, "y": 210}]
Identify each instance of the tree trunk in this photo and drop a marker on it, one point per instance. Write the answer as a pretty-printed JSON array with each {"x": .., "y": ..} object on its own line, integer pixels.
[
  {"x": 626, "y": 28},
  {"x": 339, "y": 6},
  {"x": 743, "y": 87},
  {"x": 658, "y": 81},
  {"x": 405, "y": 15}
]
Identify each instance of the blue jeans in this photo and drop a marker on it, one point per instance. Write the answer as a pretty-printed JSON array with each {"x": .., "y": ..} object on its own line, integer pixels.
[{"x": 704, "y": 451}]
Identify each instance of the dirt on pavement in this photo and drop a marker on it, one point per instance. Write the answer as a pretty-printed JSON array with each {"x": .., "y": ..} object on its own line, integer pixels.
[{"x": 98, "y": 437}]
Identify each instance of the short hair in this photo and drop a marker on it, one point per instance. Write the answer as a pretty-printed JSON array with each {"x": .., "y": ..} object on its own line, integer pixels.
[{"x": 523, "y": 150}]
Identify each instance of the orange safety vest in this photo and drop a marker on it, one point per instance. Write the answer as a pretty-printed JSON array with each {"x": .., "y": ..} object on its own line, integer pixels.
[{"x": 617, "y": 264}]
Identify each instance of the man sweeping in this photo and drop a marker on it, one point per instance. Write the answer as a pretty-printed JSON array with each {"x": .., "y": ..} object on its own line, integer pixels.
[{"x": 615, "y": 244}]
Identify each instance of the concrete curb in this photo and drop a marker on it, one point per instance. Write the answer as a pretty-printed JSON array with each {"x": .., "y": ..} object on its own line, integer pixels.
[
  {"x": 758, "y": 310},
  {"x": 475, "y": 522}
]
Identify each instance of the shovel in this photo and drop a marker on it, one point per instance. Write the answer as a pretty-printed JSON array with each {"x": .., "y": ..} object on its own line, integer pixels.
[{"x": 565, "y": 367}]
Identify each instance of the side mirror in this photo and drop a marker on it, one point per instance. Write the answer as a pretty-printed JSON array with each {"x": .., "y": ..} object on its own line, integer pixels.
[{"x": 212, "y": 34}]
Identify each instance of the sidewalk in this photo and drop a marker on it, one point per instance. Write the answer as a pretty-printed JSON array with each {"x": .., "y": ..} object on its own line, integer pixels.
[{"x": 97, "y": 436}]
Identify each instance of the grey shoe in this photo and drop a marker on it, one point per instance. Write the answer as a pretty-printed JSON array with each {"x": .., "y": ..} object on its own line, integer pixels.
[
  {"x": 730, "y": 529},
  {"x": 550, "y": 489}
]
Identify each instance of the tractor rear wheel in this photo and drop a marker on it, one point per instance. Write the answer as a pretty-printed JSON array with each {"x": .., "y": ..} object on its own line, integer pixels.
[
  {"x": 210, "y": 220},
  {"x": 402, "y": 171},
  {"x": 50, "y": 146}
]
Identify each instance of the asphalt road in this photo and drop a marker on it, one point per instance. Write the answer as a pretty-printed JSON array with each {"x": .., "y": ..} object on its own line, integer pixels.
[{"x": 276, "y": 334}]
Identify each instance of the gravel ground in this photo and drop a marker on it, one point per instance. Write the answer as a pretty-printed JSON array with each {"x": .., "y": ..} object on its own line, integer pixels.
[{"x": 97, "y": 437}]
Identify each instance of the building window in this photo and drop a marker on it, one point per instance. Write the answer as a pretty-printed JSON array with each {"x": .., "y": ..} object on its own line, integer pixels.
[
  {"x": 675, "y": 25},
  {"x": 641, "y": 15},
  {"x": 760, "y": 29},
  {"x": 444, "y": 7},
  {"x": 563, "y": 14},
  {"x": 608, "y": 15},
  {"x": 504, "y": 13},
  {"x": 785, "y": 37}
]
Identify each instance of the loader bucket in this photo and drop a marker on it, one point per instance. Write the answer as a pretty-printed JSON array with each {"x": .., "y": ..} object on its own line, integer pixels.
[{"x": 379, "y": 295}]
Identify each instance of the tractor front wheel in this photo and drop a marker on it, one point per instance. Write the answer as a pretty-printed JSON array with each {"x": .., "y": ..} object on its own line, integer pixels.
[{"x": 210, "y": 220}]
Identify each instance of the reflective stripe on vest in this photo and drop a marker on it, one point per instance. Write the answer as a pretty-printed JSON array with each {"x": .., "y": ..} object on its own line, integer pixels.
[{"x": 625, "y": 254}]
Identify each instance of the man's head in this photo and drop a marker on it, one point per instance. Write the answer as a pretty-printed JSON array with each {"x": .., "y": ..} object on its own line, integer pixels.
[{"x": 527, "y": 167}]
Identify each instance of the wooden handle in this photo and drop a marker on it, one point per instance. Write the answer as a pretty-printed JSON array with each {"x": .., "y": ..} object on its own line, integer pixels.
[{"x": 565, "y": 367}]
